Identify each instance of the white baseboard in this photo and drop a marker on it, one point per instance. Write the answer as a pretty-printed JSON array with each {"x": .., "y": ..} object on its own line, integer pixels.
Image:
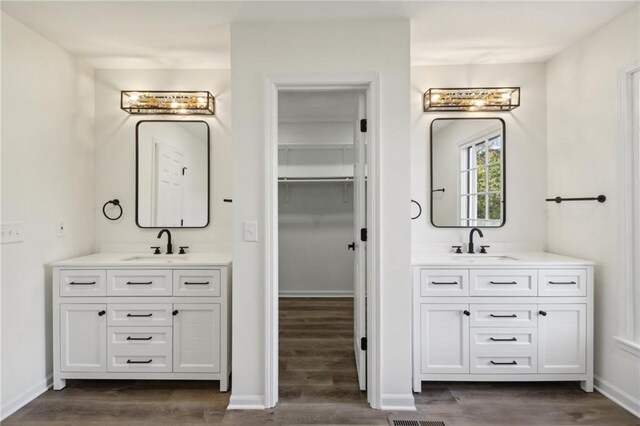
[
  {"x": 397, "y": 402},
  {"x": 246, "y": 402},
  {"x": 29, "y": 395},
  {"x": 315, "y": 293},
  {"x": 618, "y": 396}
]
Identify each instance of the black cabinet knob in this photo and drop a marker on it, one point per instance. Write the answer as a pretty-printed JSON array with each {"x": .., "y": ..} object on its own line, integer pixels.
[
  {"x": 101, "y": 313},
  {"x": 467, "y": 313},
  {"x": 175, "y": 312},
  {"x": 543, "y": 313}
]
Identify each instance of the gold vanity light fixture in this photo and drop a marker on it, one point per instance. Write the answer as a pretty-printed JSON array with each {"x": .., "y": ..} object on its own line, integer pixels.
[
  {"x": 472, "y": 99},
  {"x": 165, "y": 102}
]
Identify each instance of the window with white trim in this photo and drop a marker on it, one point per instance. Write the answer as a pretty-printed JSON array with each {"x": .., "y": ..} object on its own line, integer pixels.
[{"x": 481, "y": 181}]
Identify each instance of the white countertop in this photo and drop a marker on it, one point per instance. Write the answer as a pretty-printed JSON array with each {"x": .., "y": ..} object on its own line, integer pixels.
[
  {"x": 106, "y": 260},
  {"x": 491, "y": 259}
]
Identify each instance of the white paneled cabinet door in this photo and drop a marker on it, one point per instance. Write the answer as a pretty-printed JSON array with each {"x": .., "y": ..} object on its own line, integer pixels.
[
  {"x": 444, "y": 338},
  {"x": 562, "y": 338},
  {"x": 83, "y": 337},
  {"x": 196, "y": 338}
]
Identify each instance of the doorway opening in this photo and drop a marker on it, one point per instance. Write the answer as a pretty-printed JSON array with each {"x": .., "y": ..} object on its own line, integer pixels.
[
  {"x": 321, "y": 200},
  {"x": 321, "y": 245}
]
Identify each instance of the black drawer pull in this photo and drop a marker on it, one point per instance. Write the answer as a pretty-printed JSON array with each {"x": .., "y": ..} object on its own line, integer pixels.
[
  {"x": 194, "y": 283},
  {"x": 139, "y": 315},
  {"x": 101, "y": 313},
  {"x": 503, "y": 316},
  {"x": 87, "y": 283},
  {"x": 139, "y": 338},
  {"x": 139, "y": 283},
  {"x": 561, "y": 282},
  {"x": 444, "y": 283},
  {"x": 512, "y": 339},
  {"x": 503, "y": 363},
  {"x": 467, "y": 313},
  {"x": 129, "y": 361},
  {"x": 543, "y": 313},
  {"x": 503, "y": 282}
]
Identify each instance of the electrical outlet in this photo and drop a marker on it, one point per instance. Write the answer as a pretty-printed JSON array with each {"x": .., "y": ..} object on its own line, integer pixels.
[
  {"x": 11, "y": 232},
  {"x": 61, "y": 230}
]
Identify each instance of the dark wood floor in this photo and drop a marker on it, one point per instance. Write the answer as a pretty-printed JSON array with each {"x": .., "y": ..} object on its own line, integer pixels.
[{"x": 318, "y": 386}]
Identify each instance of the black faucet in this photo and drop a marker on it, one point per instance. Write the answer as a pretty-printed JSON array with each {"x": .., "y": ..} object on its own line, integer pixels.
[
  {"x": 470, "y": 247},
  {"x": 169, "y": 246}
]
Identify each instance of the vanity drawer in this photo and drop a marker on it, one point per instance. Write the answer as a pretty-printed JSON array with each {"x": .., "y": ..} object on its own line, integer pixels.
[
  {"x": 444, "y": 282},
  {"x": 139, "y": 363},
  {"x": 503, "y": 282},
  {"x": 128, "y": 282},
  {"x": 82, "y": 282},
  {"x": 197, "y": 282},
  {"x": 148, "y": 314},
  {"x": 562, "y": 282},
  {"x": 504, "y": 363},
  {"x": 139, "y": 340},
  {"x": 506, "y": 315},
  {"x": 503, "y": 339}
]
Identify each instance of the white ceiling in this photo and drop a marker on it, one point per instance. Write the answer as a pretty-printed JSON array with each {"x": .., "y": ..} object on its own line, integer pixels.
[{"x": 195, "y": 34}]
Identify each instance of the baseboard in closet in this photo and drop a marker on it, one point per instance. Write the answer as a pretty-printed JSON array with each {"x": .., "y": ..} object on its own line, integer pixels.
[{"x": 314, "y": 293}]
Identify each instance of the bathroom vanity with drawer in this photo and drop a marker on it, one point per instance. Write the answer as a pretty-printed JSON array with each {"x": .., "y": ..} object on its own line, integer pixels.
[
  {"x": 526, "y": 317},
  {"x": 121, "y": 316}
]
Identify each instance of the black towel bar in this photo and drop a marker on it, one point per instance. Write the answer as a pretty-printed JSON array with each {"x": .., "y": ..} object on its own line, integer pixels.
[{"x": 600, "y": 198}]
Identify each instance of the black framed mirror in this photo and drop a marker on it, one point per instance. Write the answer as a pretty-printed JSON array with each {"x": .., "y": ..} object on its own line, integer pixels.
[
  {"x": 172, "y": 174},
  {"x": 468, "y": 180}
]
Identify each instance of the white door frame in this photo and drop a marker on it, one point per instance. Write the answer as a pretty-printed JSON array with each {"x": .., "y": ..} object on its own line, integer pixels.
[
  {"x": 272, "y": 84},
  {"x": 626, "y": 255}
]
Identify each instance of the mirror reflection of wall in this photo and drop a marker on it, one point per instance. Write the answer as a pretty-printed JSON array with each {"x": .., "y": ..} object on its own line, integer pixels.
[
  {"x": 172, "y": 174},
  {"x": 467, "y": 172}
]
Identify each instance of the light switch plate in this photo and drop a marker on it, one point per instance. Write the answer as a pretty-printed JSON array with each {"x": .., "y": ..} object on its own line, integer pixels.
[
  {"x": 251, "y": 231},
  {"x": 11, "y": 232}
]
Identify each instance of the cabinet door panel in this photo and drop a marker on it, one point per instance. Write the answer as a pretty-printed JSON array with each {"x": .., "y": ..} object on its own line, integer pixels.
[
  {"x": 83, "y": 337},
  {"x": 444, "y": 338},
  {"x": 562, "y": 334},
  {"x": 196, "y": 338}
]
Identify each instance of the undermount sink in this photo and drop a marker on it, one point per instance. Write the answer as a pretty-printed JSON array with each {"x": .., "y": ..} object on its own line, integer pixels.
[
  {"x": 481, "y": 258},
  {"x": 157, "y": 258}
]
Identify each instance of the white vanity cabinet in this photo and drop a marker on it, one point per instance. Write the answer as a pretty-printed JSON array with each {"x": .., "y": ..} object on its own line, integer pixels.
[
  {"x": 115, "y": 318},
  {"x": 529, "y": 318}
]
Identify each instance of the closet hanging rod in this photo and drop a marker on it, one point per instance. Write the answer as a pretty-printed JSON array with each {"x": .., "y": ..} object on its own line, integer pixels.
[{"x": 600, "y": 198}]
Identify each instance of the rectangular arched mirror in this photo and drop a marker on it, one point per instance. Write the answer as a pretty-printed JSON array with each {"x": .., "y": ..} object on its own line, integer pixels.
[
  {"x": 468, "y": 172},
  {"x": 172, "y": 174}
]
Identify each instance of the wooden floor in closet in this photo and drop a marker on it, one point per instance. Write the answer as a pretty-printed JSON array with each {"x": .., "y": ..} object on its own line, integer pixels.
[{"x": 318, "y": 385}]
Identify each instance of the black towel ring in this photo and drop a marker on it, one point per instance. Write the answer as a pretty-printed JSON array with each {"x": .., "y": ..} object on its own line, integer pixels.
[
  {"x": 419, "y": 210},
  {"x": 116, "y": 203}
]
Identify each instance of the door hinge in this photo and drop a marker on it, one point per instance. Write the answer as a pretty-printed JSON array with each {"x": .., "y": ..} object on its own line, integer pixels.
[
  {"x": 363, "y": 343},
  {"x": 363, "y": 234},
  {"x": 363, "y": 125}
]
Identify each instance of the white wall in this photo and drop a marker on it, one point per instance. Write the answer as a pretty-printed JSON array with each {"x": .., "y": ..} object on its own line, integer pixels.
[
  {"x": 259, "y": 50},
  {"x": 47, "y": 175},
  {"x": 115, "y": 158},
  {"x": 316, "y": 225},
  {"x": 525, "y": 227},
  {"x": 582, "y": 152}
]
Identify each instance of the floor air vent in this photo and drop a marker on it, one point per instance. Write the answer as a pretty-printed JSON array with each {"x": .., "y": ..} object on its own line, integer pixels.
[{"x": 408, "y": 422}]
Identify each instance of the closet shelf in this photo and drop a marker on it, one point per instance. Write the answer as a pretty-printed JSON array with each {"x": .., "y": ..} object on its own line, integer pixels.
[{"x": 314, "y": 179}]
